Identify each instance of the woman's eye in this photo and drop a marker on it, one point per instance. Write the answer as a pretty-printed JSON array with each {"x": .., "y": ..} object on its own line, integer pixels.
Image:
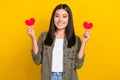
[
  {"x": 64, "y": 16},
  {"x": 56, "y": 16}
]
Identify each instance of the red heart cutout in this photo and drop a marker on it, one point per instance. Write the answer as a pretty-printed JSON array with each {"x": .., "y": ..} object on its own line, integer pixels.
[
  {"x": 30, "y": 22},
  {"x": 87, "y": 25}
]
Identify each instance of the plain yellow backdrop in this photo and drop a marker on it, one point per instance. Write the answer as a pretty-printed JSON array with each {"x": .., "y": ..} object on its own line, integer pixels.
[{"x": 102, "y": 61}]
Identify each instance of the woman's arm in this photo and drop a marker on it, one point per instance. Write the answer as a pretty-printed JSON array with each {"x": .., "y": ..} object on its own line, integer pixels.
[
  {"x": 36, "y": 46},
  {"x": 85, "y": 38},
  {"x": 79, "y": 60},
  {"x": 31, "y": 33}
]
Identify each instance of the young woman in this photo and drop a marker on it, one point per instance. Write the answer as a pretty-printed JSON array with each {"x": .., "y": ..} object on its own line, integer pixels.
[{"x": 59, "y": 50}]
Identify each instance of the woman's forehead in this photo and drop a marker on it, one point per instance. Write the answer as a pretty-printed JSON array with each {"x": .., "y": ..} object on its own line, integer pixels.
[{"x": 61, "y": 11}]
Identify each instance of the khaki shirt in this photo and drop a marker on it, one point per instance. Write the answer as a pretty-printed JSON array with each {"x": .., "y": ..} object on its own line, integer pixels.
[{"x": 71, "y": 62}]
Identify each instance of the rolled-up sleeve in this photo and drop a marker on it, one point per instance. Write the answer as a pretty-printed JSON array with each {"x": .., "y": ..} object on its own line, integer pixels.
[
  {"x": 78, "y": 61},
  {"x": 37, "y": 58}
]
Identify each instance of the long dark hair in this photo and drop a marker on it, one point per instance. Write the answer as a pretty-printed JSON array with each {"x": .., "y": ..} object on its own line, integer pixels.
[{"x": 69, "y": 31}]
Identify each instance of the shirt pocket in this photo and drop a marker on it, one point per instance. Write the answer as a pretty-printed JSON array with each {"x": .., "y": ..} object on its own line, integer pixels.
[
  {"x": 71, "y": 59},
  {"x": 71, "y": 55}
]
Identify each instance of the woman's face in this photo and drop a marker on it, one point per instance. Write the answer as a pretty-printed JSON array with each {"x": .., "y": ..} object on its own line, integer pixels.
[{"x": 61, "y": 19}]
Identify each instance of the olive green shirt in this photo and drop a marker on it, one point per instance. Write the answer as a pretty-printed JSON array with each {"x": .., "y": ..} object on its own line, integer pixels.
[{"x": 71, "y": 62}]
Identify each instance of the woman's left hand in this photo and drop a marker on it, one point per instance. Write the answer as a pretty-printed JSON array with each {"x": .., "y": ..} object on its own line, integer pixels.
[{"x": 86, "y": 36}]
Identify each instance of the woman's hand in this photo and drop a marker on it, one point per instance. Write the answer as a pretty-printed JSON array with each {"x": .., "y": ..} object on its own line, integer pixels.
[
  {"x": 86, "y": 36},
  {"x": 31, "y": 32}
]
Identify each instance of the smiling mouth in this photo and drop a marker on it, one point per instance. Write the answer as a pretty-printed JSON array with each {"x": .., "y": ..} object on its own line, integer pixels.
[{"x": 60, "y": 24}]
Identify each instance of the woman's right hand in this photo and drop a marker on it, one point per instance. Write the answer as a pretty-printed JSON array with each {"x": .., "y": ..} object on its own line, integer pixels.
[{"x": 31, "y": 32}]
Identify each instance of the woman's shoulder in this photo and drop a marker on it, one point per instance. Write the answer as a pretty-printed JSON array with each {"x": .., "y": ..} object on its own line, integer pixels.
[
  {"x": 44, "y": 34},
  {"x": 77, "y": 38}
]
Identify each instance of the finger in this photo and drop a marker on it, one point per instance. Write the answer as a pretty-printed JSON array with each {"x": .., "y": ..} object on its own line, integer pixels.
[
  {"x": 31, "y": 26},
  {"x": 30, "y": 31},
  {"x": 85, "y": 35},
  {"x": 88, "y": 30},
  {"x": 88, "y": 35}
]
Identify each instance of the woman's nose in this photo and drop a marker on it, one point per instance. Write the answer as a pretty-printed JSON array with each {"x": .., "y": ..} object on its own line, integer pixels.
[{"x": 60, "y": 19}]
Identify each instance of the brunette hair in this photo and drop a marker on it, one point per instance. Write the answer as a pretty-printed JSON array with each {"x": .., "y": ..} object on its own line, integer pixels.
[{"x": 69, "y": 31}]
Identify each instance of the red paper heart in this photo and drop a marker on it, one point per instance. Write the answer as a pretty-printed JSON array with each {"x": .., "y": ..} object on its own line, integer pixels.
[
  {"x": 30, "y": 22},
  {"x": 87, "y": 25}
]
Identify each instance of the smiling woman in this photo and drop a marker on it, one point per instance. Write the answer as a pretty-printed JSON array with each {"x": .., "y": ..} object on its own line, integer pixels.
[
  {"x": 60, "y": 50},
  {"x": 61, "y": 19},
  {"x": 102, "y": 53}
]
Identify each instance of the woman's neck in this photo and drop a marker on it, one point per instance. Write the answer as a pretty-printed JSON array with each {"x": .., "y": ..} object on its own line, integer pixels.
[{"x": 60, "y": 34}]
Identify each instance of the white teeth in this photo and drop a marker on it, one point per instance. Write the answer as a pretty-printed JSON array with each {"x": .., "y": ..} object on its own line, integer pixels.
[{"x": 60, "y": 24}]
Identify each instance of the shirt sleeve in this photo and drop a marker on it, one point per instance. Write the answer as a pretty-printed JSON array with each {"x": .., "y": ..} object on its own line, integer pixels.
[
  {"x": 37, "y": 58},
  {"x": 78, "y": 61}
]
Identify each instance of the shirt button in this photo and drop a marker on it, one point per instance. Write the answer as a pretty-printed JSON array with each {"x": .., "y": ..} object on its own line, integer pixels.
[{"x": 64, "y": 72}]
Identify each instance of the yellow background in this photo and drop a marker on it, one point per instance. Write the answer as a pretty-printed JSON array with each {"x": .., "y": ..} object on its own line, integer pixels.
[{"x": 102, "y": 61}]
